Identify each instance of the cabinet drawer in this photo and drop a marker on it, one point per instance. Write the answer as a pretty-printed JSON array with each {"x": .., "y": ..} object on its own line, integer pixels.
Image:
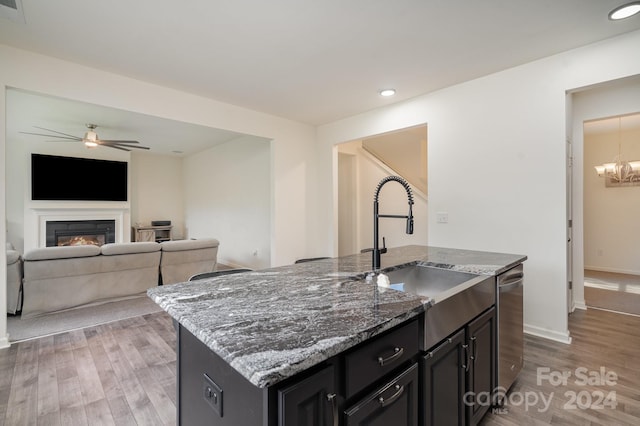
[
  {"x": 395, "y": 403},
  {"x": 380, "y": 356}
]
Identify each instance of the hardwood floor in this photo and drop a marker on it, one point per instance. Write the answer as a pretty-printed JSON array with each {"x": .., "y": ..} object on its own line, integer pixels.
[
  {"x": 123, "y": 373},
  {"x": 601, "y": 340},
  {"x": 612, "y": 291}
]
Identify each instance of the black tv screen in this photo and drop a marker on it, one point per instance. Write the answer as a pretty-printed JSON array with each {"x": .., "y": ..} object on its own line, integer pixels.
[{"x": 77, "y": 179}]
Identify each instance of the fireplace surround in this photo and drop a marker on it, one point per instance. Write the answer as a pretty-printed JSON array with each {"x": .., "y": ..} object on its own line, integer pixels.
[
  {"x": 79, "y": 232},
  {"x": 38, "y": 215}
]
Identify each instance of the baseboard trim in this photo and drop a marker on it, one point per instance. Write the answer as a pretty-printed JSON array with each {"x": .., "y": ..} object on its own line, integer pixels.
[
  {"x": 229, "y": 263},
  {"x": 580, "y": 305},
  {"x": 614, "y": 270},
  {"x": 558, "y": 336},
  {"x": 4, "y": 342}
]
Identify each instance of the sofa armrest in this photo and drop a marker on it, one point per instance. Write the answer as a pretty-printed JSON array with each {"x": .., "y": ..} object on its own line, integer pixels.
[{"x": 12, "y": 257}]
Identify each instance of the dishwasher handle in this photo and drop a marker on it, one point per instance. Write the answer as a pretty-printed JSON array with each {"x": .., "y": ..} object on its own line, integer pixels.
[{"x": 511, "y": 284}]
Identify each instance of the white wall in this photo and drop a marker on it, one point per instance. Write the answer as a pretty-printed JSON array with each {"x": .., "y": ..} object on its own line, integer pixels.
[
  {"x": 497, "y": 164},
  {"x": 603, "y": 100},
  {"x": 294, "y": 180},
  {"x": 156, "y": 190},
  {"x": 18, "y": 194},
  {"x": 226, "y": 190}
]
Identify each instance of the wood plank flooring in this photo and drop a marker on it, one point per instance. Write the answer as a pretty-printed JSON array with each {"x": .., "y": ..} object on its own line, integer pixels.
[
  {"x": 600, "y": 340},
  {"x": 612, "y": 291},
  {"x": 123, "y": 373}
]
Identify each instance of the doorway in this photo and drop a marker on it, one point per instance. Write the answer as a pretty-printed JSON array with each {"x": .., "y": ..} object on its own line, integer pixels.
[
  {"x": 611, "y": 204},
  {"x": 361, "y": 164},
  {"x": 606, "y": 100}
]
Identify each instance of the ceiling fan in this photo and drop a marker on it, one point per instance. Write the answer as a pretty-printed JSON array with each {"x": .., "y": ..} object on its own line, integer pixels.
[{"x": 90, "y": 139}]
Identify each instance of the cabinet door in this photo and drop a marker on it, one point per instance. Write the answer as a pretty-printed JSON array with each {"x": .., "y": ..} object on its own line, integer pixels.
[
  {"x": 395, "y": 403},
  {"x": 444, "y": 382},
  {"x": 482, "y": 346},
  {"x": 145, "y": 235},
  {"x": 309, "y": 402}
]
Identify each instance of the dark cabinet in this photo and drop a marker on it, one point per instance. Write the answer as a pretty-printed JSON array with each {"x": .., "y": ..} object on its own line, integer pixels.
[
  {"x": 458, "y": 375},
  {"x": 444, "y": 382},
  {"x": 481, "y": 374},
  {"x": 383, "y": 381},
  {"x": 309, "y": 402},
  {"x": 395, "y": 403}
]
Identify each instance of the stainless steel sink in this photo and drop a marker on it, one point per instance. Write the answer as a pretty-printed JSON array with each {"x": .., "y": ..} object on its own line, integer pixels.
[
  {"x": 454, "y": 298},
  {"x": 435, "y": 283}
]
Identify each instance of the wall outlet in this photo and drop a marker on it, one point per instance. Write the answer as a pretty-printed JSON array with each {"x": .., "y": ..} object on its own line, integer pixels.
[
  {"x": 212, "y": 394},
  {"x": 442, "y": 217},
  {"x": 599, "y": 252},
  {"x": 255, "y": 252}
]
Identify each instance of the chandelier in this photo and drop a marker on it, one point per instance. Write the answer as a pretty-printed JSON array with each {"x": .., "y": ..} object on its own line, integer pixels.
[{"x": 620, "y": 172}]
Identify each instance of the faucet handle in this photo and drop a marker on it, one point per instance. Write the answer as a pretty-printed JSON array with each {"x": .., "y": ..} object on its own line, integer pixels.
[{"x": 384, "y": 246}]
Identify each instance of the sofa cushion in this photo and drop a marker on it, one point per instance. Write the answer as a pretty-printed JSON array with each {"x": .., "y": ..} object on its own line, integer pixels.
[
  {"x": 47, "y": 253},
  {"x": 128, "y": 248},
  {"x": 179, "y": 245}
]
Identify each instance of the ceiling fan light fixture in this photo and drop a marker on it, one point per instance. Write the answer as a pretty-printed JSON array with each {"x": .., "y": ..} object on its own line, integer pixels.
[
  {"x": 90, "y": 139},
  {"x": 625, "y": 11}
]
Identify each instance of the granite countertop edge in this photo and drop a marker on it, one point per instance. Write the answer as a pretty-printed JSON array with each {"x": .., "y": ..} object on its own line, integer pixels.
[{"x": 267, "y": 345}]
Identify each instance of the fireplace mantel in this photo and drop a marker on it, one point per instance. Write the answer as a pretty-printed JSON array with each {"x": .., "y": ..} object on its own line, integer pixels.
[{"x": 37, "y": 217}]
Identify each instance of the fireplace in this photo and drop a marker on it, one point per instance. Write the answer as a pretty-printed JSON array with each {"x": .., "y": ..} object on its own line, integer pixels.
[{"x": 79, "y": 232}]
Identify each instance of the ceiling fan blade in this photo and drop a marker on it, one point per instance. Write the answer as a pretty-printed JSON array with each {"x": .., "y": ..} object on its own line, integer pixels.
[
  {"x": 60, "y": 133},
  {"x": 113, "y": 143},
  {"x": 117, "y": 141},
  {"x": 71, "y": 138},
  {"x": 129, "y": 146},
  {"x": 116, "y": 147}
]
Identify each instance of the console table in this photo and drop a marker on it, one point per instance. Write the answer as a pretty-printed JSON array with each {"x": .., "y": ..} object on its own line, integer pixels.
[{"x": 151, "y": 233}]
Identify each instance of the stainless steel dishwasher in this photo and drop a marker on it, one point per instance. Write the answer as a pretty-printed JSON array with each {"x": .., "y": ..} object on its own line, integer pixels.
[{"x": 510, "y": 342}]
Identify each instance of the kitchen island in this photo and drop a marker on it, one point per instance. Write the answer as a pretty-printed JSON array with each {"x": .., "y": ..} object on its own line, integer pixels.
[{"x": 250, "y": 341}]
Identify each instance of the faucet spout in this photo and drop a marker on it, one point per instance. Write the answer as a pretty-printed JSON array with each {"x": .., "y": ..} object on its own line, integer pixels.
[{"x": 376, "y": 216}]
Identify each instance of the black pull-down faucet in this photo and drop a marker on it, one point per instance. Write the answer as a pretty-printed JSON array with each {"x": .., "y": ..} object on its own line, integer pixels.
[{"x": 376, "y": 247}]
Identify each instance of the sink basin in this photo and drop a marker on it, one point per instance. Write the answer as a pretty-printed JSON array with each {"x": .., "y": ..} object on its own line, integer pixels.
[
  {"x": 453, "y": 298},
  {"x": 435, "y": 283}
]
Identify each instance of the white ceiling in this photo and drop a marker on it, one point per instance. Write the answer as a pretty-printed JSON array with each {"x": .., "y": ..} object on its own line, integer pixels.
[
  {"x": 165, "y": 137},
  {"x": 307, "y": 60}
]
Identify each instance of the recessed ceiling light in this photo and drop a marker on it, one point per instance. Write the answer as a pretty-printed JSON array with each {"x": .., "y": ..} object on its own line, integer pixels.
[
  {"x": 625, "y": 11},
  {"x": 387, "y": 92}
]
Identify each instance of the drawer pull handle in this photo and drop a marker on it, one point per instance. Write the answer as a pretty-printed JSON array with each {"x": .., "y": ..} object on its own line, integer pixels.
[
  {"x": 385, "y": 402},
  {"x": 331, "y": 398},
  {"x": 397, "y": 353}
]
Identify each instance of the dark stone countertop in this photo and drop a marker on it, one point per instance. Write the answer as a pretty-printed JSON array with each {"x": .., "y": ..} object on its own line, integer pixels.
[{"x": 274, "y": 323}]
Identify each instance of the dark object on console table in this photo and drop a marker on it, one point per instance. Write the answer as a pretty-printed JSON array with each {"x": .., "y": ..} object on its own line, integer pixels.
[{"x": 160, "y": 222}]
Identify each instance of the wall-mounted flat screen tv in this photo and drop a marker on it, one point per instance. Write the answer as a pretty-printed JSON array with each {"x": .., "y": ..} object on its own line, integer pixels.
[{"x": 77, "y": 179}]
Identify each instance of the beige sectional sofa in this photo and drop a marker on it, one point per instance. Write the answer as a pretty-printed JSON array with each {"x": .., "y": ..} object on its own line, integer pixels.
[
  {"x": 58, "y": 278},
  {"x": 183, "y": 258},
  {"x": 14, "y": 280}
]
